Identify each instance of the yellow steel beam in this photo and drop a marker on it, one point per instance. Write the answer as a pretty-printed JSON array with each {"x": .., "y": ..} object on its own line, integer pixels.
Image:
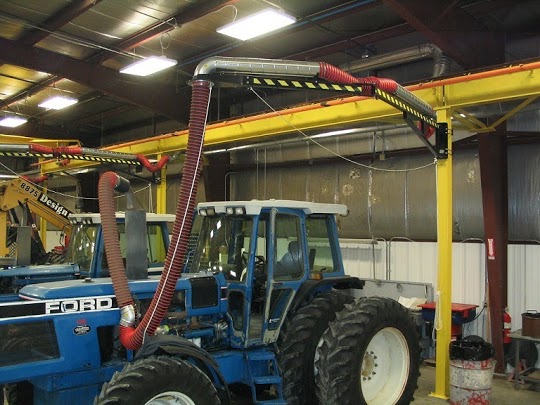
[
  {"x": 510, "y": 113},
  {"x": 17, "y": 139},
  {"x": 472, "y": 123},
  {"x": 487, "y": 87}
]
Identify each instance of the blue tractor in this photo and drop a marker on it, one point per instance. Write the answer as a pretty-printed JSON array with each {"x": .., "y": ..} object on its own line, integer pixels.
[
  {"x": 261, "y": 306},
  {"x": 250, "y": 314},
  {"x": 85, "y": 256}
]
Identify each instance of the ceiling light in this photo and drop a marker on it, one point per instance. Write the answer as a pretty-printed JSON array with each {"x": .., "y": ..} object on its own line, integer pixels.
[
  {"x": 257, "y": 24},
  {"x": 149, "y": 65},
  {"x": 12, "y": 121},
  {"x": 58, "y": 102},
  {"x": 335, "y": 133}
]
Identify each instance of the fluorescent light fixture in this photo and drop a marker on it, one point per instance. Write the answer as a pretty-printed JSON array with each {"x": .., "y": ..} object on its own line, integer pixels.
[
  {"x": 13, "y": 121},
  {"x": 335, "y": 133},
  {"x": 149, "y": 65},
  {"x": 257, "y": 24},
  {"x": 58, "y": 102}
]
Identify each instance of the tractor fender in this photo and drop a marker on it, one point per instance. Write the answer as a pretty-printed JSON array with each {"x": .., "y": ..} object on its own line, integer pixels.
[
  {"x": 177, "y": 346},
  {"x": 313, "y": 287}
]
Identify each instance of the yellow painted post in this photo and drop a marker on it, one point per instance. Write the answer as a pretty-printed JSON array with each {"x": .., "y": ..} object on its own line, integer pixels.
[
  {"x": 444, "y": 265},
  {"x": 4, "y": 251},
  {"x": 43, "y": 223},
  {"x": 161, "y": 193}
]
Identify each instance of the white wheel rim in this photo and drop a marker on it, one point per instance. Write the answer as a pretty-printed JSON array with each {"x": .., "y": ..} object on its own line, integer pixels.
[
  {"x": 171, "y": 397},
  {"x": 385, "y": 368}
]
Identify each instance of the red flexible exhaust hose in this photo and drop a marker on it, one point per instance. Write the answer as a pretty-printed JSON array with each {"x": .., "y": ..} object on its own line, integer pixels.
[
  {"x": 36, "y": 180},
  {"x": 153, "y": 168},
  {"x": 336, "y": 75},
  {"x": 106, "y": 186},
  {"x": 41, "y": 149},
  {"x": 132, "y": 338},
  {"x": 69, "y": 150}
]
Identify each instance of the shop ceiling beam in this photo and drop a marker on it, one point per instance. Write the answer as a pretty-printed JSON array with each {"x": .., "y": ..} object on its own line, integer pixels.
[
  {"x": 360, "y": 40},
  {"x": 159, "y": 98},
  {"x": 309, "y": 21},
  {"x": 188, "y": 14},
  {"x": 512, "y": 83},
  {"x": 453, "y": 30},
  {"x": 66, "y": 14}
]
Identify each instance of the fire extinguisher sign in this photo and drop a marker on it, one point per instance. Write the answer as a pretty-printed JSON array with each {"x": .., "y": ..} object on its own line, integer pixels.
[{"x": 491, "y": 249}]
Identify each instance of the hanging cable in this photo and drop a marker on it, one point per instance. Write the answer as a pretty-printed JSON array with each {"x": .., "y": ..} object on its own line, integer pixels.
[{"x": 331, "y": 151}]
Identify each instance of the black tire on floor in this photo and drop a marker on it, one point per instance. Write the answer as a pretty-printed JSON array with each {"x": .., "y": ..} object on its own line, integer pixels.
[
  {"x": 370, "y": 355},
  {"x": 21, "y": 393},
  {"x": 298, "y": 340},
  {"x": 145, "y": 379}
]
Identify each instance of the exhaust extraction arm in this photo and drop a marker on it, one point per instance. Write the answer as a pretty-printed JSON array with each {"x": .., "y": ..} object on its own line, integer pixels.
[{"x": 132, "y": 337}]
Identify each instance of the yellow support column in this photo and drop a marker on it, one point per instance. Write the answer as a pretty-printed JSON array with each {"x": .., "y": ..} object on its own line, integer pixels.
[
  {"x": 161, "y": 193},
  {"x": 43, "y": 224},
  {"x": 444, "y": 279}
]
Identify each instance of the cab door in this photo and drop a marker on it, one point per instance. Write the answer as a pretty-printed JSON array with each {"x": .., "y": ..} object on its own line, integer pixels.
[{"x": 286, "y": 268}]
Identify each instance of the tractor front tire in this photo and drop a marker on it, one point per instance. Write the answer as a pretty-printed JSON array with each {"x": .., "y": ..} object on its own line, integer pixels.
[
  {"x": 299, "y": 337},
  {"x": 159, "y": 380},
  {"x": 370, "y": 355},
  {"x": 21, "y": 393}
]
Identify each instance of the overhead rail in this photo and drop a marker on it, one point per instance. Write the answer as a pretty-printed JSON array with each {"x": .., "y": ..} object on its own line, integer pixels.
[
  {"x": 506, "y": 84},
  {"x": 64, "y": 154}
]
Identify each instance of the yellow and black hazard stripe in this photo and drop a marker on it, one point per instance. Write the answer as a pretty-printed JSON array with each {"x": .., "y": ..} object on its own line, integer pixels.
[
  {"x": 368, "y": 90},
  {"x": 101, "y": 159},
  {"x": 402, "y": 106},
  {"x": 298, "y": 84},
  {"x": 89, "y": 158},
  {"x": 25, "y": 154}
]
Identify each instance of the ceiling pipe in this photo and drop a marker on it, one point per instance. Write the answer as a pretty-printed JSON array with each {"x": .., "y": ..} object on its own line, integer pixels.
[{"x": 407, "y": 55}]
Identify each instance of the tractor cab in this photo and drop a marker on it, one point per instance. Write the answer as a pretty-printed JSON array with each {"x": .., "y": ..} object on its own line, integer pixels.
[{"x": 266, "y": 250}]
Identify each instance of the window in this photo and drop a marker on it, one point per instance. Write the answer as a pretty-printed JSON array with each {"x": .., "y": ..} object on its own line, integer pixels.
[
  {"x": 223, "y": 245},
  {"x": 81, "y": 246},
  {"x": 289, "y": 263},
  {"x": 322, "y": 258}
]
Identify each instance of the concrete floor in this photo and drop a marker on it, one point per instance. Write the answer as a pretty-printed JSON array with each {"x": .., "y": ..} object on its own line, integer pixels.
[{"x": 502, "y": 391}]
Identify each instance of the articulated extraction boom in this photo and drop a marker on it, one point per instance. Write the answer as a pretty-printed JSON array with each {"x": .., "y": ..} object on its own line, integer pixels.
[{"x": 21, "y": 192}]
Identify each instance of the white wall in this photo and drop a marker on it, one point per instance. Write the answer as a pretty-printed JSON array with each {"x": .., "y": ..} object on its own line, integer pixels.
[{"x": 417, "y": 262}]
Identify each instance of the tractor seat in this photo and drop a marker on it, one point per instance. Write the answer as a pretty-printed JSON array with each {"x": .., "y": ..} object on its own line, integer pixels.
[{"x": 290, "y": 265}]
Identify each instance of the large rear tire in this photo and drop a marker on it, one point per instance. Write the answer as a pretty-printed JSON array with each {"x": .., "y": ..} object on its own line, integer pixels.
[
  {"x": 370, "y": 355},
  {"x": 159, "y": 380},
  {"x": 299, "y": 337}
]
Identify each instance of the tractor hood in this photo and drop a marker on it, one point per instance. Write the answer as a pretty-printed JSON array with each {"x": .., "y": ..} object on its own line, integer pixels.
[{"x": 45, "y": 272}]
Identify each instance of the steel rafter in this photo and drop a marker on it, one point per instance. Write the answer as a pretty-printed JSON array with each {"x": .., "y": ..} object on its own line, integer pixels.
[
  {"x": 360, "y": 40},
  {"x": 159, "y": 98},
  {"x": 188, "y": 14},
  {"x": 66, "y": 14},
  {"x": 453, "y": 30}
]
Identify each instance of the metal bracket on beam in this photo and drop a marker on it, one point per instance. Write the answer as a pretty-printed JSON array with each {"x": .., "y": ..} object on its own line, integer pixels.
[
  {"x": 423, "y": 135},
  {"x": 441, "y": 140}
]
